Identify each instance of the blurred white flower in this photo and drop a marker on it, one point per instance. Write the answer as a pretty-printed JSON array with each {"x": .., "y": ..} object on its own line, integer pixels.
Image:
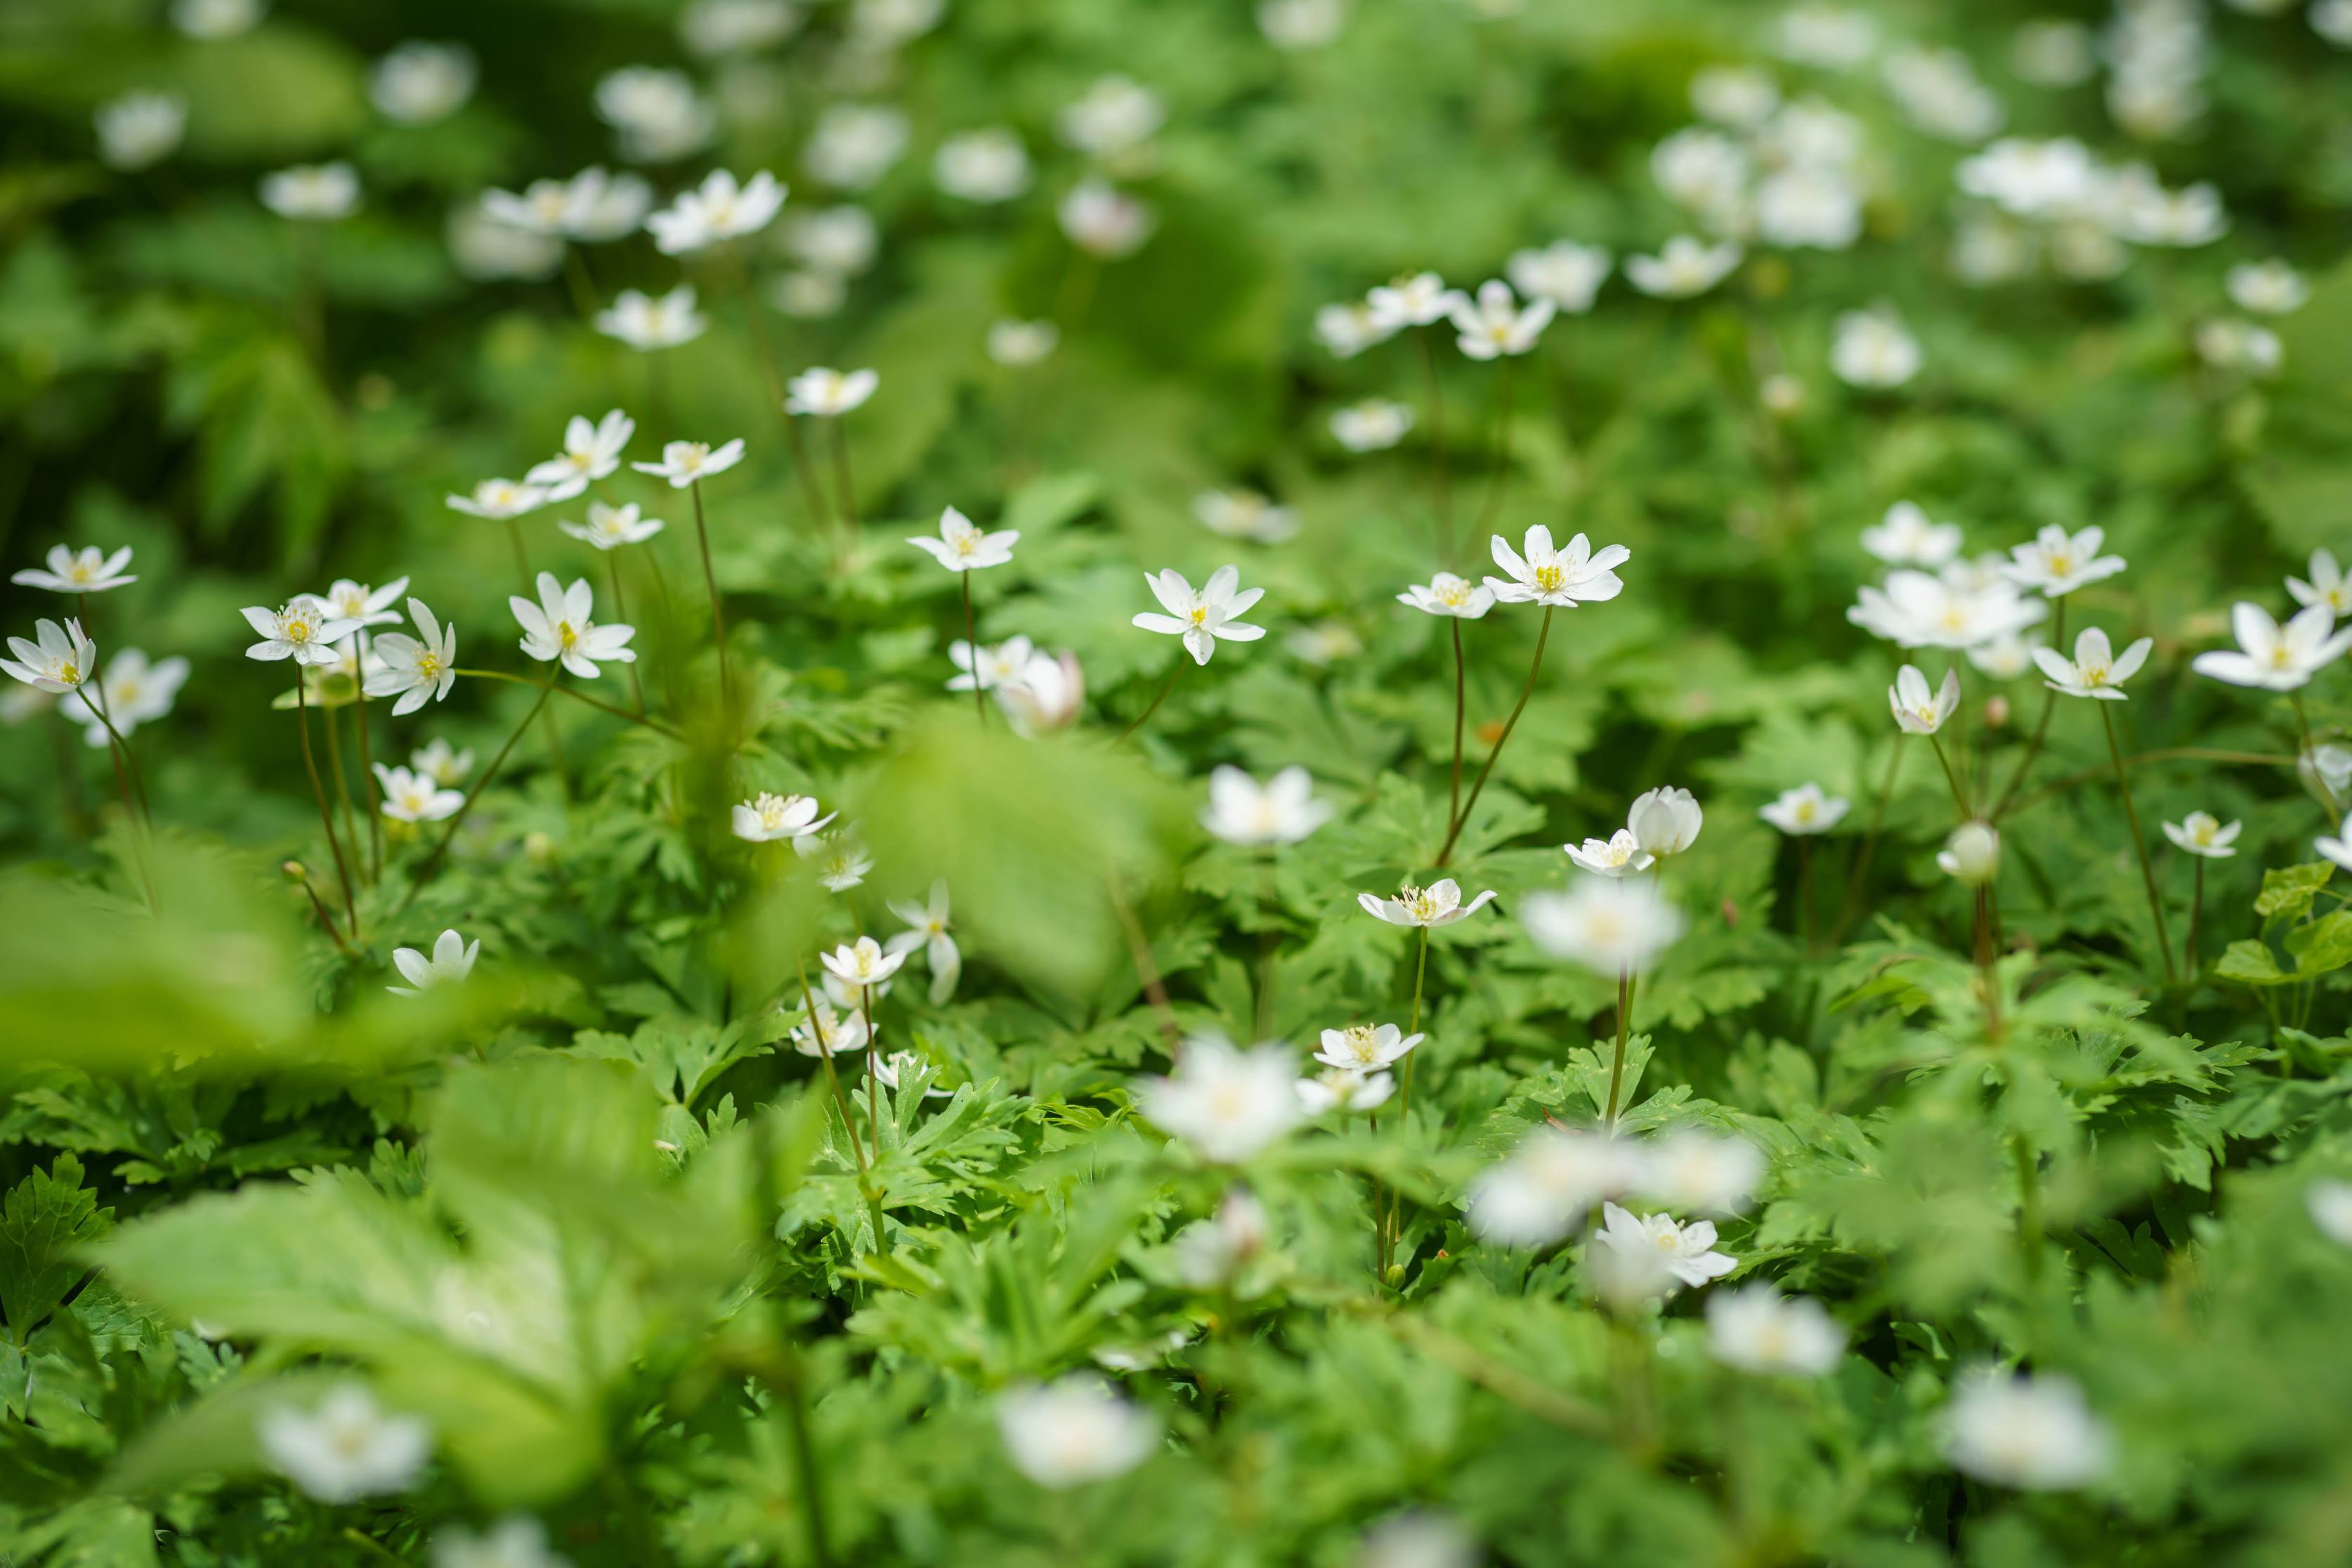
[
  {"x": 1211, "y": 1253},
  {"x": 1069, "y": 1432},
  {"x": 988, "y": 667},
  {"x": 841, "y": 864},
  {"x": 1949, "y": 609},
  {"x": 610, "y": 526},
  {"x": 592, "y": 450},
  {"x": 1016, "y": 344},
  {"x": 1113, "y": 118},
  {"x": 2267, "y": 288},
  {"x": 1576, "y": 575},
  {"x": 499, "y": 498},
  {"x": 863, "y": 963},
  {"x": 2227, "y": 345},
  {"x": 685, "y": 463},
  {"x": 2327, "y": 584},
  {"x": 822, "y": 393},
  {"x": 1366, "y": 1047},
  {"x": 560, "y": 628},
  {"x": 822, "y": 1032},
  {"x": 1226, "y": 1103},
  {"x": 1439, "y": 904},
  {"x": 1418, "y": 1540},
  {"x": 2034, "y": 1433},
  {"x": 768, "y": 817},
  {"x": 1050, "y": 694},
  {"x": 90, "y": 570},
  {"x": 716, "y": 29},
  {"x": 1284, "y": 810},
  {"x": 1299, "y": 25},
  {"x": 1819, "y": 209},
  {"x": 2201, "y": 833},
  {"x": 1611, "y": 925},
  {"x": 1345, "y": 1090},
  {"x": 452, "y": 962},
  {"x": 1201, "y": 618},
  {"x": 139, "y": 129},
  {"x": 1741, "y": 96},
  {"x": 313, "y": 193},
  {"x": 1245, "y": 514},
  {"x": 516, "y": 1542},
  {"x": 2332, "y": 20},
  {"x": 1684, "y": 267},
  {"x": 2151, "y": 215},
  {"x": 2095, "y": 670},
  {"x": 718, "y": 209},
  {"x": 132, "y": 691},
  {"x": 2005, "y": 657},
  {"x": 347, "y": 1447},
  {"x": 418, "y": 82},
  {"x": 1411, "y": 301},
  {"x": 1834, "y": 37},
  {"x": 1804, "y": 811},
  {"x": 1544, "y": 1187},
  {"x": 1102, "y": 220},
  {"x": 659, "y": 115},
  {"x": 2336, "y": 847},
  {"x": 1618, "y": 855},
  {"x": 926, "y": 928},
  {"x": 215, "y": 18},
  {"x": 1700, "y": 1171},
  {"x": 985, "y": 167},
  {"x": 2035, "y": 179},
  {"x": 840, "y": 241},
  {"x": 647, "y": 321},
  {"x": 1495, "y": 324},
  {"x": 420, "y": 668},
  {"x": 1759, "y": 1330},
  {"x": 305, "y": 631},
  {"x": 1971, "y": 854},
  {"x": 1706, "y": 172},
  {"x": 2057, "y": 562},
  {"x": 1375, "y": 425},
  {"x": 1449, "y": 596},
  {"x": 1872, "y": 348},
  {"x": 1906, "y": 536},
  {"x": 2050, "y": 53},
  {"x": 485, "y": 247},
  {"x": 1665, "y": 821},
  {"x": 810, "y": 296},
  {"x": 1939, "y": 92},
  {"x": 1681, "y": 1254},
  {"x": 855, "y": 144},
  {"x": 1349, "y": 329},
  {"x": 2329, "y": 1203},
  {"x": 961, "y": 547},
  {"x": 441, "y": 764},
  {"x": 408, "y": 797},
  {"x": 1564, "y": 272}
]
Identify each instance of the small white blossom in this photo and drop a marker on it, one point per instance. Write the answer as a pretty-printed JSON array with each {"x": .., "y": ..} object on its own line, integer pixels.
[
  {"x": 1203, "y": 619},
  {"x": 2035, "y": 1433},
  {"x": 1939, "y": 92},
  {"x": 418, "y": 82},
  {"x": 1610, "y": 925},
  {"x": 1680, "y": 1254},
  {"x": 824, "y": 1033},
  {"x": 1228, "y": 1104},
  {"x": 363, "y": 603},
  {"x": 1906, "y": 536},
  {"x": 2336, "y": 847},
  {"x": 499, "y": 498},
  {"x": 1618, "y": 855},
  {"x": 1298, "y": 25},
  {"x": 961, "y": 547},
  {"x": 823, "y": 392},
  {"x": 518, "y": 1541},
  {"x": 1282, "y": 811},
  {"x": 2239, "y": 346},
  {"x": 1834, "y": 37},
  {"x": 1067, "y": 1434},
  {"x": 1447, "y": 595},
  {"x": 418, "y": 670},
  {"x": 1873, "y": 350},
  {"x": 215, "y": 18},
  {"x": 842, "y": 862},
  {"x": 1347, "y": 330},
  {"x": 685, "y": 463},
  {"x": 592, "y": 450},
  {"x": 1375, "y": 425},
  {"x": 1568, "y": 274},
  {"x": 452, "y": 962},
  {"x": 346, "y": 1449},
  {"x": 2330, "y": 1205},
  {"x": 1114, "y": 117},
  {"x": 132, "y": 691},
  {"x": 318, "y": 193},
  {"x": 768, "y": 817},
  {"x": 1494, "y": 324},
  {"x": 1411, "y": 301},
  {"x": 659, "y": 115},
  {"x": 985, "y": 167},
  {"x": 610, "y": 526},
  {"x": 1245, "y": 514},
  {"x": 1439, "y": 904},
  {"x": 2267, "y": 288},
  {"x": 1016, "y": 344},
  {"x": 2057, "y": 562},
  {"x": 139, "y": 129},
  {"x": 410, "y": 798},
  {"x": 2327, "y": 585},
  {"x": 1345, "y": 1090},
  {"x": 989, "y": 669},
  {"x": 1578, "y": 575},
  {"x": 926, "y": 928},
  {"x": 855, "y": 144},
  {"x": 1971, "y": 854},
  {"x": 59, "y": 662},
  {"x": 1948, "y": 610},
  {"x": 837, "y": 242},
  {"x": 862, "y": 963},
  {"x": 1804, "y": 811},
  {"x": 716, "y": 29},
  {"x": 1366, "y": 1047},
  {"x": 441, "y": 762},
  {"x": 1544, "y": 1188},
  {"x": 1741, "y": 96},
  {"x": 2201, "y": 833},
  {"x": 1700, "y": 1171},
  {"x": 1049, "y": 695},
  {"x": 1211, "y": 1253},
  {"x": 1103, "y": 220},
  {"x": 1759, "y": 1330},
  {"x": 305, "y": 631},
  {"x": 1665, "y": 821},
  {"x": 559, "y": 628},
  {"x": 2272, "y": 656},
  {"x": 646, "y": 322},
  {"x": 1684, "y": 267},
  {"x": 716, "y": 210},
  {"x": 2095, "y": 670},
  {"x": 88, "y": 570}
]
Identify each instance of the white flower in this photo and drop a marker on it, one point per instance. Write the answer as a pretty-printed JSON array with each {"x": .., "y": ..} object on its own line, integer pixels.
[
  {"x": 318, "y": 193},
  {"x": 988, "y": 165},
  {"x": 1546, "y": 1186},
  {"x": 685, "y": 463},
  {"x": 2327, "y": 586},
  {"x": 2005, "y": 657},
  {"x": 717, "y": 28},
  {"x": 926, "y": 928},
  {"x": 1050, "y": 694},
  {"x": 1706, "y": 172},
  {"x": 1741, "y": 96},
  {"x": 88, "y": 570},
  {"x": 823, "y": 1033},
  {"x": 518, "y": 1542},
  {"x": 1759, "y": 1330},
  {"x": 839, "y": 241},
  {"x": 1298, "y": 25},
  {"x": 418, "y": 82},
  {"x": 2275, "y": 657},
  {"x": 1831, "y": 36},
  {"x": 364, "y": 604},
  {"x": 1115, "y": 116},
  {"x": 1494, "y": 324},
  {"x": 559, "y": 628},
  {"x": 1344, "y": 1089},
  {"x": 2332, "y": 20},
  {"x": 139, "y": 129},
  {"x": 1610, "y": 925},
  {"x": 887, "y": 1069},
  {"x": 610, "y": 526},
  {"x": 1950, "y": 609},
  {"x": 1211, "y": 1253},
  {"x": 438, "y": 761},
  {"x": 1284, "y": 811},
  {"x": 499, "y": 498},
  {"x": 1069, "y": 1432},
  {"x": 2337, "y": 848},
  {"x": 2267, "y": 288},
  {"x": 1417, "y": 1540},
  {"x": 1439, "y": 904},
  {"x": 643, "y": 321},
  {"x": 2330, "y": 1205},
  {"x": 1366, "y": 1047},
  {"x": 1872, "y": 348},
  {"x": 1939, "y": 92},
  {"x": 1816, "y": 208},
  {"x": 1665, "y": 821},
  {"x": 2054, "y": 54},
  {"x": 2154, "y": 216},
  {"x": 1804, "y": 810},
  {"x": 1201, "y": 618},
  {"x": 1971, "y": 854},
  {"x": 1324, "y": 642},
  {"x": 1680, "y": 1254},
  {"x": 718, "y": 209},
  {"x": 1564, "y": 273},
  {"x": 2201, "y": 833},
  {"x": 215, "y": 18},
  {"x": 606, "y": 206},
  {"x": 862, "y": 963},
  {"x": 1016, "y": 344},
  {"x": 1411, "y": 301},
  {"x": 131, "y": 692},
  {"x": 1245, "y": 514},
  {"x": 305, "y": 631},
  {"x": 1375, "y": 425},
  {"x": 2034, "y": 1433},
  {"x": 825, "y": 392},
  {"x": 1227, "y": 1103},
  {"x": 409, "y": 798},
  {"x": 1692, "y": 1170},
  {"x": 658, "y": 114},
  {"x": 842, "y": 862},
  {"x": 1102, "y": 219},
  {"x": 855, "y": 144},
  {"x": 1683, "y": 267},
  {"x": 960, "y": 547},
  {"x": 2057, "y": 562},
  {"x": 1449, "y": 596},
  {"x": 2239, "y": 346},
  {"x": 768, "y": 817},
  {"x": 989, "y": 669},
  {"x": 452, "y": 962},
  {"x": 1347, "y": 330},
  {"x": 346, "y": 1449},
  {"x": 2095, "y": 670},
  {"x": 1618, "y": 855},
  {"x": 2051, "y": 179},
  {"x": 1576, "y": 575},
  {"x": 419, "y": 669},
  {"x": 590, "y": 451},
  {"x": 1907, "y": 537}
]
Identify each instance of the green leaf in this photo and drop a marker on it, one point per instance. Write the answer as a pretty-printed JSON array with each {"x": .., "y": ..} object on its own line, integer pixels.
[
  {"x": 2288, "y": 892},
  {"x": 44, "y": 1222}
]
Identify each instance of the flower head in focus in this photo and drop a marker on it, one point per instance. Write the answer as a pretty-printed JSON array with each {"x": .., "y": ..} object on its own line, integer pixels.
[
  {"x": 1447, "y": 595},
  {"x": 961, "y": 547},
  {"x": 452, "y": 962},
  {"x": 1203, "y": 619},
  {"x": 1971, "y": 854},
  {"x": 1677, "y": 1254},
  {"x": 88, "y": 570},
  {"x": 1918, "y": 711},
  {"x": 1439, "y": 904},
  {"x": 345, "y": 1448},
  {"x": 1804, "y": 811},
  {"x": 767, "y": 817},
  {"x": 1282, "y": 811},
  {"x": 2201, "y": 833},
  {"x": 560, "y": 628},
  {"x": 592, "y": 450},
  {"x": 363, "y": 603},
  {"x": 1665, "y": 821},
  {"x": 1366, "y": 1047},
  {"x": 2272, "y": 656},
  {"x": 825, "y": 1033},
  {"x": 408, "y": 797},
  {"x": 1576, "y": 575},
  {"x": 419, "y": 669},
  {"x": 989, "y": 669},
  {"x": 1618, "y": 855},
  {"x": 862, "y": 963},
  {"x": 305, "y": 631},
  {"x": 2057, "y": 562},
  {"x": 2096, "y": 669}
]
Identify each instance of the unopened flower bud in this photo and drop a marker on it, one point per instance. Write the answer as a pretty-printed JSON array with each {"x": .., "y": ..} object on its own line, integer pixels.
[
  {"x": 1972, "y": 854},
  {"x": 1996, "y": 713}
]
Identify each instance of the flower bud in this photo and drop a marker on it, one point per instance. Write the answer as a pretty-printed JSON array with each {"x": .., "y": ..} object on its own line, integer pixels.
[{"x": 1972, "y": 854}]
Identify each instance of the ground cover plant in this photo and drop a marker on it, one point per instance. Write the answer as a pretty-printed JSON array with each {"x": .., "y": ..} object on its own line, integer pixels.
[{"x": 1390, "y": 782}]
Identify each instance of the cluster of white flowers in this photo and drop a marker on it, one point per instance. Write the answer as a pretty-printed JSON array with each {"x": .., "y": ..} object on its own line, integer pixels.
[
  {"x": 1763, "y": 170},
  {"x": 2053, "y": 202}
]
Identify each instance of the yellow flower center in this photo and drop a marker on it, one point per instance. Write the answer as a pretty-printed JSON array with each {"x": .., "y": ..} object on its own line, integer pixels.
[
  {"x": 1199, "y": 614},
  {"x": 566, "y": 635},
  {"x": 1549, "y": 576}
]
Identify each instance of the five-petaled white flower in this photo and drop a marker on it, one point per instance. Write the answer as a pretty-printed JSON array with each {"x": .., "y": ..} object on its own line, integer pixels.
[
  {"x": 1227, "y": 1103},
  {"x": 1683, "y": 267},
  {"x": 926, "y": 928},
  {"x": 305, "y": 631},
  {"x": 421, "y": 668},
  {"x": 130, "y": 692},
  {"x": 499, "y": 498},
  {"x": 452, "y": 961},
  {"x": 2096, "y": 669},
  {"x": 2057, "y": 562},
  {"x": 1564, "y": 272},
  {"x": 1201, "y": 618},
  {"x": 363, "y": 603},
  {"x": 989, "y": 669},
  {"x": 1918, "y": 711},
  {"x": 1375, "y": 425},
  {"x": 2327, "y": 584},
  {"x": 862, "y": 963},
  {"x": 1344, "y": 1088},
  {"x": 1066, "y": 1433},
  {"x": 767, "y": 817},
  {"x": 1906, "y": 536},
  {"x": 1366, "y": 1047},
  {"x": 1439, "y": 904},
  {"x": 824, "y": 1033},
  {"x": 2202, "y": 834},
  {"x": 1449, "y": 596},
  {"x": 1495, "y": 324},
  {"x": 823, "y": 392},
  {"x": 1804, "y": 810},
  {"x": 60, "y": 661},
  {"x": 1611, "y": 925},
  {"x": 2275, "y": 657},
  {"x": 409, "y": 797},
  {"x": 718, "y": 209},
  {"x": 684, "y": 463},
  {"x": 1665, "y": 821},
  {"x": 88, "y": 570},
  {"x": 842, "y": 862},
  {"x": 590, "y": 451},
  {"x": 1414, "y": 301},
  {"x": 1576, "y": 575},
  {"x": 1655, "y": 1244},
  {"x": 2034, "y": 1433},
  {"x": 961, "y": 547},
  {"x": 610, "y": 526},
  {"x": 645, "y": 321},
  {"x": 1282, "y": 811},
  {"x": 1759, "y": 1330},
  {"x": 442, "y": 762},
  {"x": 1618, "y": 855},
  {"x": 559, "y": 628},
  {"x": 346, "y": 1449}
]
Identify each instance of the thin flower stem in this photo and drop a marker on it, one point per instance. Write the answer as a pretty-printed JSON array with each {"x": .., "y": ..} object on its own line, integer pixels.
[
  {"x": 523, "y": 557},
  {"x": 1412, "y": 1025},
  {"x": 812, "y": 493},
  {"x": 343, "y": 784},
  {"x": 621, "y": 612},
  {"x": 972, "y": 647},
  {"x": 711, "y": 581},
  {"x": 582, "y": 287},
  {"x": 841, "y": 479},
  {"x": 490, "y": 774},
  {"x": 1267, "y": 940},
  {"x": 376, "y": 1549},
  {"x": 2040, "y": 725},
  {"x": 2170, "y": 754},
  {"x": 374, "y": 801},
  {"x": 2029, "y": 1208},
  {"x": 136, "y": 821},
  {"x": 319, "y": 904},
  {"x": 1869, "y": 844},
  {"x": 1453, "y": 799},
  {"x": 1959, "y": 796},
  {"x": 1444, "y": 489},
  {"x": 2139, "y": 843},
  {"x": 554, "y": 738},
  {"x": 2196, "y": 910},
  {"x": 319, "y": 792},
  {"x": 1617, "y": 1062},
  {"x": 872, "y": 1086},
  {"x": 2302, "y": 719},
  {"x": 1805, "y": 890},
  {"x": 577, "y": 696},
  {"x": 1535, "y": 668},
  {"x": 1174, "y": 676},
  {"x": 1148, "y": 972},
  {"x": 1499, "y": 451}
]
